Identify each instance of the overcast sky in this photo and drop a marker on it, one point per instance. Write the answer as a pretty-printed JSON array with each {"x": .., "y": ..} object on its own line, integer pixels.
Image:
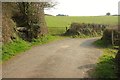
[{"x": 84, "y": 7}]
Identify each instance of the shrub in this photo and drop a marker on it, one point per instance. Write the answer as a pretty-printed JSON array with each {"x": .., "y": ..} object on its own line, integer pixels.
[{"x": 86, "y": 29}]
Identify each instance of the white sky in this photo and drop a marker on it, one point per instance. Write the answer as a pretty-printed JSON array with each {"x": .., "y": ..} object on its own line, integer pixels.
[{"x": 84, "y": 7}]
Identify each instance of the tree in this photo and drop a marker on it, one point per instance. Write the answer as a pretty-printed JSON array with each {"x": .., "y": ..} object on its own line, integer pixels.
[
  {"x": 36, "y": 24},
  {"x": 26, "y": 18},
  {"x": 33, "y": 13},
  {"x": 108, "y": 14}
]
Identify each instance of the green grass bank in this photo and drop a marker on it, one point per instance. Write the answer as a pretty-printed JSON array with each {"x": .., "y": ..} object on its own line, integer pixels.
[
  {"x": 106, "y": 67},
  {"x": 16, "y": 47}
]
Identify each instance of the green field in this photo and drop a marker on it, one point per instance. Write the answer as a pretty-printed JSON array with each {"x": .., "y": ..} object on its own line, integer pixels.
[
  {"x": 57, "y": 24},
  {"x": 65, "y": 21}
]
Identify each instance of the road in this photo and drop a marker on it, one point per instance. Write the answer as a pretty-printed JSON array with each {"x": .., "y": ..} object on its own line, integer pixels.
[{"x": 67, "y": 58}]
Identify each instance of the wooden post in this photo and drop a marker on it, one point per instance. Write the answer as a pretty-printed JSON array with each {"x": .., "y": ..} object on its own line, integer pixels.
[{"x": 112, "y": 38}]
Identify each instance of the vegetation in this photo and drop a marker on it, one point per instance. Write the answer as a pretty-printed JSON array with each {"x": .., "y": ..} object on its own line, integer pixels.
[
  {"x": 23, "y": 19},
  {"x": 90, "y": 30},
  {"x": 33, "y": 29},
  {"x": 106, "y": 67},
  {"x": 111, "y": 36},
  {"x": 108, "y": 14},
  {"x": 28, "y": 23},
  {"x": 101, "y": 44},
  {"x": 65, "y": 21},
  {"x": 45, "y": 39},
  {"x": 58, "y": 24},
  {"x": 23, "y": 22},
  {"x": 117, "y": 60},
  {"x": 11, "y": 49},
  {"x": 56, "y": 30}
]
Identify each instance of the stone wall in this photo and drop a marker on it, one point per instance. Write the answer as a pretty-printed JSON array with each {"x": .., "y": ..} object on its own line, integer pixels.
[
  {"x": 86, "y": 29},
  {"x": 111, "y": 37}
]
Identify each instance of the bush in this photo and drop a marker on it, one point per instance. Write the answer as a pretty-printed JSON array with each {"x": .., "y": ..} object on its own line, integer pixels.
[{"x": 86, "y": 29}]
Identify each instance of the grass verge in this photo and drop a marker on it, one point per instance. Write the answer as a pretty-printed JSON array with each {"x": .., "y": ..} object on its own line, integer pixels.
[
  {"x": 13, "y": 48},
  {"x": 16, "y": 47},
  {"x": 82, "y": 36},
  {"x": 106, "y": 66}
]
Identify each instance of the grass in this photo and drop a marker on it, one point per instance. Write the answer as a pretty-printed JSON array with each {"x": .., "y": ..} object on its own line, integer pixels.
[
  {"x": 13, "y": 48},
  {"x": 45, "y": 39},
  {"x": 101, "y": 44},
  {"x": 58, "y": 24},
  {"x": 84, "y": 36},
  {"x": 65, "y": 21},
  {"x": 56, "y": 30},
  {"x": 106, "y": 66},
  {"x": 16, "y": 47}
]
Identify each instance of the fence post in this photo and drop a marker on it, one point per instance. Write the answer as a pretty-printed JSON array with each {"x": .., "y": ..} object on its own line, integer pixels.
[{"x": 112, "y": 37}]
